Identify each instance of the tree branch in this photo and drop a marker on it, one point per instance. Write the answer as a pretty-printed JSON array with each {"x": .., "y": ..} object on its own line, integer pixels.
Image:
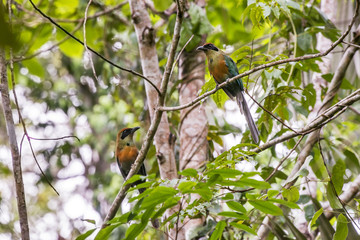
[
  {"x": 157, "y": 115},
  {"x": 317, "y": 123},
  {"x": 19, "y": 184}
]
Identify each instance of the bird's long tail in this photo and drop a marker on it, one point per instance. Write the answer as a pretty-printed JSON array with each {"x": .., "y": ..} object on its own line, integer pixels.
[
  {"x": 246, "y": 111},
  {"x": 142, "y": 171}
]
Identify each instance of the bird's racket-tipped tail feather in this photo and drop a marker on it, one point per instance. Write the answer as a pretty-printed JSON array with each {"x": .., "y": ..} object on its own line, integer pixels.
[{"x": 250, "y": 121}]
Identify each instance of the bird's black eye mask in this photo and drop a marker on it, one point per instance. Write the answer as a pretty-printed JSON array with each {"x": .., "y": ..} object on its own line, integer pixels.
[
  {"x": 211, "y": 46},
  {"x": 125, "y": 133}
]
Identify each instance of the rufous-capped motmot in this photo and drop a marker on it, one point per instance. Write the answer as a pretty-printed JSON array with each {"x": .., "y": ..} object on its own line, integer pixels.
[
  {"x": 126, "y": 153},
  {"x": 222, "y": 67}
]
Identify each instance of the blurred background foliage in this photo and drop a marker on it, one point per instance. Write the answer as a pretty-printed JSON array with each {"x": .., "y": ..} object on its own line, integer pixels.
[{"x": 59, "y": 96}]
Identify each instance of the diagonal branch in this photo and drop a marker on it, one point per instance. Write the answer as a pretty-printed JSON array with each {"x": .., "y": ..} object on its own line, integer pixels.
[
  {"x": 157, "y": 115},
  {"x": 317, "y": 123}
]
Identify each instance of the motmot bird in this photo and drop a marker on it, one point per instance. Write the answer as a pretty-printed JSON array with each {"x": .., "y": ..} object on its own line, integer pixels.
[
  {"x": 222, "y": 67},
  {"x": 126, "y": 153}
]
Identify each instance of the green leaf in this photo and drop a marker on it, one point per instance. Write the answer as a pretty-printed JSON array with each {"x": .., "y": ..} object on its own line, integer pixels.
[
  {"x": 236, "y": 206},
  {"x": 66, "y": 7},
  {"x": 220, "y": 98},
  {"x": 338, "y": 173},
  {"x": 89, "y": 221},
  {"x": 334, "y": 202},
  {"x": 167, "y": 204},
  {"x": 304, "y": 41},
  {"x": 189, "y": 172},
  {"x": 162, "y": 5},
  {"x": 215, "y": 137},
  {"x": 186, "y": 186},
  {"x": 293, "y": 4},
  {"x": 159, "y": 195},
  {"x": 241, "y": 53},
  {"x": 133, "y": 179},
  {"x": 285, "y": 203},
  {"x": 266, "y": 207},
  {"x": 308, "y": 96},
  {"x": 292, "y": 194},
  {"x": 243, "y": 227},
  {"x": 205, "y": 193},
  {"x": 220, "y": 226},
  {"x": 345, "y": 84},
  {"x": 233, "y": 215},
  {"x": 85, "y": 235},
  {"x": 200, "y": 23},
  {"x": 276, "y": 11},
  {"x": 104, "y": 233},
  {"x": 316, "y": 216},
  {"x": 266, "y": 171},
  {"x": 254, "y": 183},
  {"x": 135, "y": 229},
  {"x": 208, "y": 86},
  {"x": 34, "y": 67},
  {"x": 352, "y": 160},
  {"x": 341, "y": 228},
  {"x": 266, "y": 10},
  {"x": 272, "y": 193},
  {"x": 124, "y": 218},
  {"x": 228, "y": 196},
  {"x": 309, "y": 211},
  {"x": 70, "y": 47},
  {"x": 225, "y": 172}
]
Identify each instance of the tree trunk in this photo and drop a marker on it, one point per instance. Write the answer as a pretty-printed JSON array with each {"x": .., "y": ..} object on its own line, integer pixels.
[
  {"x": 193, "y": 122},
  {"x": 150, "y": 67},
  {"x": 19, "y": 184}
]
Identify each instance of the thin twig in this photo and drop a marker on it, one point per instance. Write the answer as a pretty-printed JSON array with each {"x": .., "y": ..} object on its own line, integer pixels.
[
  {"x": 273, "y": 115},
  {"x": 351, "y": 44},
  {"x": 85, "y": 44},
  {"x": 93, "y": 51},
  {"x": 187, "y": 113},
  {"x": 354, "y": 110},
  {"x": 58, "y": 138},
  {"x": 24, "y": 125},
  {"x": 179, "y": 54},
  {"x": 284, "y": 158},
  {"x": 333, "y": 186}
]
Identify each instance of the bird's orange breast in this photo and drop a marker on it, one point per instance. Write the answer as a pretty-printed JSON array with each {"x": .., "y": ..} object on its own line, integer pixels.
[
  {"x": 218, "y": 70},
  {"x": 127, "y": 154}
]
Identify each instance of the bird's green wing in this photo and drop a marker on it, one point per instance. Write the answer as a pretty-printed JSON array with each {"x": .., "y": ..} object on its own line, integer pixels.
[
  {"x": 231, "y": 66},
  {"x": 233, "y": 70}
]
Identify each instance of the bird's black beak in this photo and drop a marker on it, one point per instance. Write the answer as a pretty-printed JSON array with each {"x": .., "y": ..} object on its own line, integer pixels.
[
  {"x": 201, "y": 48},
  {"x": 134, "y": 129}
]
